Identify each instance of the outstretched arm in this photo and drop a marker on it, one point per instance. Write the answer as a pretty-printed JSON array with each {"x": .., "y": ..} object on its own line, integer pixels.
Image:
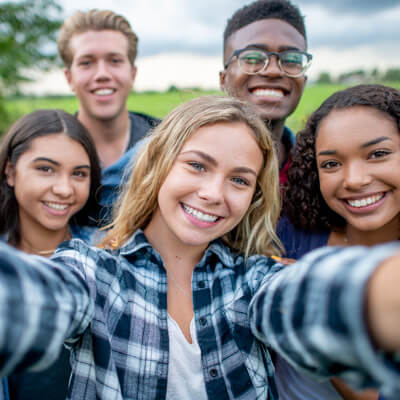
[
  {"x": 336, "y": 312},
  {"x": 41, "y": 304}
]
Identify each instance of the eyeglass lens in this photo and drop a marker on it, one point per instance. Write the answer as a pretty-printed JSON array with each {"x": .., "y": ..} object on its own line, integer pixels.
[{"x": 291, "y": 62}]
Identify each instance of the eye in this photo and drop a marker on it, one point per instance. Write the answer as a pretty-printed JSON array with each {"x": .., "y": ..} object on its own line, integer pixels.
[
  {"x": 44, "y": 168},
  {"x": 329, "y": 164},
  {"x": 378, "y": 154},
  {"x": 80, "y": 174},
  {"x": 84, "y": 63},
  {"x": 197, "y": 166},
  {"x": 240, "y": 181},
  {"x": 253, "y": 57}
]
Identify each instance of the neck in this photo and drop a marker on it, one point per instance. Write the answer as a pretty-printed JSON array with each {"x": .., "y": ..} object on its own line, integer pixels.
[
  {"x": 388, "y": 233},
  {"x": 111, "y": 137},
  {"x": 174, "y": 253},
  {"x": 42, "y": 243},
  {"x": 276, "y": 127}
]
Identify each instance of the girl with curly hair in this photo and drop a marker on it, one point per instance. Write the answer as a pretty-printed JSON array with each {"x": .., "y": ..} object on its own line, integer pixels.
[{"x": 344, "y": 184}]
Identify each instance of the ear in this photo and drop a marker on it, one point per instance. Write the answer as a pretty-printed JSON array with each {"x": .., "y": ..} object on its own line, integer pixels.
[
  {"x": 68, "y": 77},
  {"x": 9, "y": 171},
  {"x": 222, "y": 80},
  {"x": 133, "y": 72}
]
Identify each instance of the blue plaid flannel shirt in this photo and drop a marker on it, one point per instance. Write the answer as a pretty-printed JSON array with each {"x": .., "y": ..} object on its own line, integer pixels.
[{"x": 113, "y": 310}]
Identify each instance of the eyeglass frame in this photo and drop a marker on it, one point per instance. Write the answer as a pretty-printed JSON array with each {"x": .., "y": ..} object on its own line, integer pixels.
[{"x": 237, "y": 52}]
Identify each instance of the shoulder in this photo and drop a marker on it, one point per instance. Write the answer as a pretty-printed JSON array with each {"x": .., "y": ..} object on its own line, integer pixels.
[
  {"x": 142, "y": 118},
  {"x": 298, "y": 242},
  {"x": 249, "y": 271},
  {"x": 89, "y": 234},
  {"x": 88, "y": 260}
]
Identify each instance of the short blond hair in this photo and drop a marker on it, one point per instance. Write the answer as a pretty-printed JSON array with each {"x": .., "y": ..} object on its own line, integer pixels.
[
  {"x": 256, "y": 231},
  {"x": 94, "y": 20}
]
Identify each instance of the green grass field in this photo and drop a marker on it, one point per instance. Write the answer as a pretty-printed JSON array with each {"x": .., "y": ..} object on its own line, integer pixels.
[{"x": 159, "y": 104}]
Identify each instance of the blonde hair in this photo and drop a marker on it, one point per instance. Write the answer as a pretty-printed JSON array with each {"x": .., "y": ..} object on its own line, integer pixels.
[
  {"x": 94, "y": 20},
  {"x": 138, "y": 201}
]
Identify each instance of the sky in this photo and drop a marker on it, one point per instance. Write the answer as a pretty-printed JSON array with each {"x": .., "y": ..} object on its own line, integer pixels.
[{"x": 180, "y": 41}]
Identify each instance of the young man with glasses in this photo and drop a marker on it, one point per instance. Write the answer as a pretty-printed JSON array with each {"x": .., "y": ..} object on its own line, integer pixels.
[{"x": 265, "y": 61}]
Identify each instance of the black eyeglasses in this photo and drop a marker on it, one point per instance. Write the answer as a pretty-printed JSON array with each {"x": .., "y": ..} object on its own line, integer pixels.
[{"x": 252, "y": 61}]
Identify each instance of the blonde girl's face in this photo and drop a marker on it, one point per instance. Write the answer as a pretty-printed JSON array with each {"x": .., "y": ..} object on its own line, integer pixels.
[
  {"x": 209, "y": 187},
  {"x": 358, "y": 161}
]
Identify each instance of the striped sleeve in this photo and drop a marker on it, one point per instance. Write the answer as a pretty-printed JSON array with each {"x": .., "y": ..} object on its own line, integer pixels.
[
  {"x": 41, "y": 304},
  {"x": 313, "y": 315}
]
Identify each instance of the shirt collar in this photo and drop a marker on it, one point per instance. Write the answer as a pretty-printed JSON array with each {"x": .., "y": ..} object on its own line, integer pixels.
[{"x": 217, "y": 248}]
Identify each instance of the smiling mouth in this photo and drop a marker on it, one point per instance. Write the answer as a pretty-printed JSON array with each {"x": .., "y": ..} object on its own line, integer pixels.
[
  {"x": 103, "y": 92},
  {"x": 56, "y": 206},
  {"x": 200, "y": 215},
  {"x": 366, "y": 201},
  {"x": 278, "y": 93}
]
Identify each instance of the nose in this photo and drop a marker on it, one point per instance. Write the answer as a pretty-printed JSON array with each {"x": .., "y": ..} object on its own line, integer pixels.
[
  {"x": 272, "y": 68},
  {"x": 356, "y": 176},
  {"x": 63, "y": 187},
  {"x": 212, "y": 190},
  {"x": 102, "y": 70}
]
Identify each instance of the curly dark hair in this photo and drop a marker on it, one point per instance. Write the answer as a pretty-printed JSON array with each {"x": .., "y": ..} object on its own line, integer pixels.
[
  {"x": 265, "y": 9},
  {"x": 303, "y": 201}
]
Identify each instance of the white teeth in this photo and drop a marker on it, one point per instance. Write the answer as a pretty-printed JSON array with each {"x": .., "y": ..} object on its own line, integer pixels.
[
  {"x": 199, "y": 215},
  {"x": 268, "y": 92},
  {"x": 103, "y": 92},
  {"x": 56, "y": 206},
  {"x": 365, "y": 202}
]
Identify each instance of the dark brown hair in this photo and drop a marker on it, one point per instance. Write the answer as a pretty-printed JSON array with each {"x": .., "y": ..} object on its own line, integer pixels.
[{"x": 18, "y": 140}]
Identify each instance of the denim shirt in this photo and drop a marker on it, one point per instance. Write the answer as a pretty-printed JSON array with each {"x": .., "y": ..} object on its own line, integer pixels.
[
  {"x": 112, "y": 307},
  {"x": 114, "y": 176}
]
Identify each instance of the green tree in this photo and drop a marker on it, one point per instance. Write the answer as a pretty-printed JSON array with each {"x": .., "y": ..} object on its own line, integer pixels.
[
  {"x": 28, "y": 31},
  {"x": 324, "y": 77},
  {"x": 392, "y": 75}
]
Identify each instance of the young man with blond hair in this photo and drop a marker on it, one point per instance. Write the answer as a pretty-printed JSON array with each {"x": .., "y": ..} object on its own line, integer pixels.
[{"x": 99, "y": 49}]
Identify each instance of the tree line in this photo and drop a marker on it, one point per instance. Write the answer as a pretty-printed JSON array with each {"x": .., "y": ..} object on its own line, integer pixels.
[{"x": 361, "y": 76}]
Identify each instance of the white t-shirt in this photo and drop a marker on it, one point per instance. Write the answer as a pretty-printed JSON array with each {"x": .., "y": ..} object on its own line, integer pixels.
[{"x": 185, "y": 373}]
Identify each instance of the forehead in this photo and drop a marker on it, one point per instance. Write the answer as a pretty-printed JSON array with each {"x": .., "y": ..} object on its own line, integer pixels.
[
  {"x": 92, "y": 43},
  {"x": 56, "y": 145},
  {"x": 355, "y": 126},
  {"x": 237, "y": 140},
  {"x": 274, "y": 34}
]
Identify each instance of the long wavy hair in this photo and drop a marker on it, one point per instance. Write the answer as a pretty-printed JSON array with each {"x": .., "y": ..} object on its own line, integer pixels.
[
  {"x": 18, "y": 140},
  {"x": 303, "y": 201},
  {"x": 138, "y": 201}
]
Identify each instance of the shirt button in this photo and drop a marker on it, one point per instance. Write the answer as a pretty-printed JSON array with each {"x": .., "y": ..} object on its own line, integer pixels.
[
  {"x": 201, "y": 284},
  {"x": 203, "y": 321},
  {"x": 213, "y": 372}
]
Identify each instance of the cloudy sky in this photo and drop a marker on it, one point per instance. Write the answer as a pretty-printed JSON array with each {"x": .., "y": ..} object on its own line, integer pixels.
[{"x": 180, "y": 41}]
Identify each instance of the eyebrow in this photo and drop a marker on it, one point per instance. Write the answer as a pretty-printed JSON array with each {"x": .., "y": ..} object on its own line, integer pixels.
[
  {"x": 363, "y": 146},
  {"x": 49, "y": 160},
  {"x": 214, "y": 162},
  {"x": 375, "y": 141},
  {"x": 93, "y": 55},
  {"x": 263, "y": 47}
]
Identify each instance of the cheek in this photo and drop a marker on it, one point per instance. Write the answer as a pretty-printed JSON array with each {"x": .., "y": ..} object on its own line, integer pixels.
[{"x": 240, "y": 203}]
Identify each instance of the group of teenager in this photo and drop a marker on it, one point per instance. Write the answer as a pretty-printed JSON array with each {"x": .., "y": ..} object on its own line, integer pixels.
[{"x": 203, "y": 282}]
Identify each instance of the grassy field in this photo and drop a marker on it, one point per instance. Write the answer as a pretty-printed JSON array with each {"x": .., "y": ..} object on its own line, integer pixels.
[{"x": 159, "y": 104}]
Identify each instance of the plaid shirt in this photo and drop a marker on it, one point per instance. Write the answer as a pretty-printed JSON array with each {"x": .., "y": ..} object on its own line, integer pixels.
[{"x": 120, "y": 339}]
